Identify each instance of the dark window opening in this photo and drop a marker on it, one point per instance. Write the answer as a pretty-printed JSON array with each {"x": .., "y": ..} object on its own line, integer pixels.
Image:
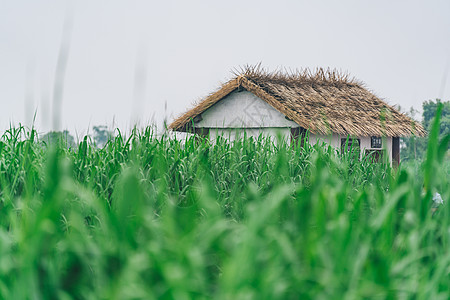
[
  {"x": 200, "y": 131},
  {"x": 375, "y": 156},
  {"x": 350, "y": 145},
  {"x": 298, "y": 135}
]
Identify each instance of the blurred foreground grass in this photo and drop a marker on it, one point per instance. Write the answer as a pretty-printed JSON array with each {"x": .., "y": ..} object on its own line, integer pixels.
[{"x": 157, "y": 218}]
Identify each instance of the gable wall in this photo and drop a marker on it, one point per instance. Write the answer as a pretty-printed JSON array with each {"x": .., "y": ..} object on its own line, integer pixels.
[{"x": 242, "y": 109}]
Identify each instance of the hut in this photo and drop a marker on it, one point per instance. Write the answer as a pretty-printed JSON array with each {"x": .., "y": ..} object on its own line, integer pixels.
[{"x": 325, "y": 104}]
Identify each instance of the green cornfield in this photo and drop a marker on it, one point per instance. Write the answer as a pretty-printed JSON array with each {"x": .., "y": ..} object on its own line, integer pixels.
[{"x": 150, "y": 217}]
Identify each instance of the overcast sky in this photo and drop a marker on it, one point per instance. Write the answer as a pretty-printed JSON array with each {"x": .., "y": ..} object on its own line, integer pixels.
[{"x": 139, "y": 61}]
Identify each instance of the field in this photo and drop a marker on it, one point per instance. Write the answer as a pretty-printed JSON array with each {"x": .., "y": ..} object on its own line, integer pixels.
[{"x": 151, "y": 217}]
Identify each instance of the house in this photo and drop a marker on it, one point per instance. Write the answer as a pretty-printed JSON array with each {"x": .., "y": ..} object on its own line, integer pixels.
[{"x": 328, "y": 105}]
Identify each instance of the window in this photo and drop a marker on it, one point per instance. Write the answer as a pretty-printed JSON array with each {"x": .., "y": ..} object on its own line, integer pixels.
[
  {"x": 375, "y": 155},
  {"x": 350, "y": 145},
  {"x": 298, "y": 133},
  {"x": 376, "y": 142},
  {"x": 201, "y": 131}
]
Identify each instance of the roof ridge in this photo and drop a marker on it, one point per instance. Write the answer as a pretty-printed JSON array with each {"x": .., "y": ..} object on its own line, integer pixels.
[{"x": 295, "y": 76}]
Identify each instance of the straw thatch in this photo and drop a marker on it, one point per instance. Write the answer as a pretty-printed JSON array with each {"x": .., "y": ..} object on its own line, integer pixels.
[{"x": 323, "y": 101}]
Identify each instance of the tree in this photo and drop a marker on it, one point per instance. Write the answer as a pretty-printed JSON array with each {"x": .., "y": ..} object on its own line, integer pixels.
[
  {"x": 429, "y": 111},
  {"x": 63, "y": 138},
  {"x": 415, "y": 147},
  {"x": 101, "y": 135}
]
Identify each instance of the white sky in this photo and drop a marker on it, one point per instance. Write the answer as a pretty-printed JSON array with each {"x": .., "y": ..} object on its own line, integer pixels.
[{"x": 129, "y": 59}]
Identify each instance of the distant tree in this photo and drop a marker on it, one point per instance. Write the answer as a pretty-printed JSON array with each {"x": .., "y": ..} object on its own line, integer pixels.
[
  {"x": 101, "y": 135},
  {"x": 412, "y": 147},
  {"x": 63, "y": 138},
  {"x": 415, "y": 147},
  {"x": 429, "y": 111}
]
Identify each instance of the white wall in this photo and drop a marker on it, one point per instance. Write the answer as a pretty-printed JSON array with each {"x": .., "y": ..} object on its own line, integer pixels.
[
  {"x": 234, "y": 133},
  {"x": 243, "y": 110},
  {"x": 332, "y": 139}
]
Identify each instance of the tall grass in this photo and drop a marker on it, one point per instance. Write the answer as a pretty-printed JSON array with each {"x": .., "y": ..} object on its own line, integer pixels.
[{"x": 154, "y": 217}]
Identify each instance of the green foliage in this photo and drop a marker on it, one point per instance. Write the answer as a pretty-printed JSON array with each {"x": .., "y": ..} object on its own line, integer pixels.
[
  {"x": 62, "y": 138},
  {"x": 149, "y": 217},
  {"x": 429, "y": 112},
  {"x": 414, "y": 148}
]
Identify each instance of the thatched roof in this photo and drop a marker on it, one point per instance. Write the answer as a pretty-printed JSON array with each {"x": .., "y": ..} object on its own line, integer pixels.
[{"x": 323, "y": 101}]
